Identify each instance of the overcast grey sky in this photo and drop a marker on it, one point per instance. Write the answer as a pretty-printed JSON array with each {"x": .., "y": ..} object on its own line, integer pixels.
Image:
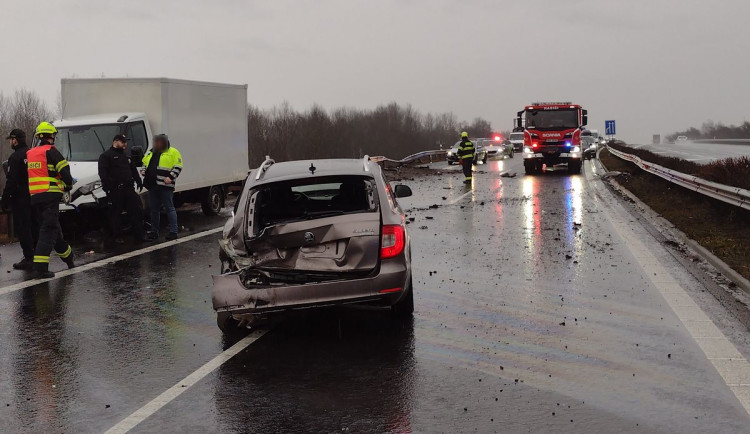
[{"x": 653, "y": 65}]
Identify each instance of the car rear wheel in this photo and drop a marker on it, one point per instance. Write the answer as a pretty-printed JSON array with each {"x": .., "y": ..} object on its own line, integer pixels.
[
  {"x": 226, "y": 323},
  {"x": 405, "y": 306},
  {"x": 450, "y": 163}
]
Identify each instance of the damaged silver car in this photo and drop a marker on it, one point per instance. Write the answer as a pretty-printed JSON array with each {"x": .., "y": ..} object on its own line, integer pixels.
[{"x": 310, "y": 234}]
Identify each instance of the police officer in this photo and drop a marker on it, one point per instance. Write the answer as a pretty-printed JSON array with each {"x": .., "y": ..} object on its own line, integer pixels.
[
  {"x": 161, "y": 167},
  {"x": 466, "y": 151},
  {"x": 16, "y": 197},
  {"x": 49, "y": 176},
  {"x": 119, "y": 175}
]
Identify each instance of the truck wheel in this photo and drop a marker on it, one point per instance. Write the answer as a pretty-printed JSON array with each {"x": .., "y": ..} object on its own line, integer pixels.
[
  {"x": 405, "y": 306},
  {"x": 213, "y": 202},
  {"x": 574, "y": 167},
  {"x": 529, "y": 167}
]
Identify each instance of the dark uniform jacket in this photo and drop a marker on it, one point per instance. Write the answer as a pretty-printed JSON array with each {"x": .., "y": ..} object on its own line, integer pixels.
[
  {"x": 17, "y": 182},
  {"x": 117, "y": 171}
]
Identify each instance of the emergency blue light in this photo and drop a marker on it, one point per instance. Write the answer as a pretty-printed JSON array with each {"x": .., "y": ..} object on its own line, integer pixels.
[{"x": 568, "y": 144}]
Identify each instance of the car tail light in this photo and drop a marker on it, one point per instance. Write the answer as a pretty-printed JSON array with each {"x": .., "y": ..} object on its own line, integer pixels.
[{"x": 393, "y": 241}]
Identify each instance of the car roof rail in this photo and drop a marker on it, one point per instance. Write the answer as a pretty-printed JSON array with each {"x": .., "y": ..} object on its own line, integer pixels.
[
  {"x": 263, "y": 167},
  {"x": 367, "y": 163}
]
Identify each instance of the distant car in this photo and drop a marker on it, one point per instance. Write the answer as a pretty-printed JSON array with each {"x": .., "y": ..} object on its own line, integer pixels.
[
  {"x": 589, "y": 144},
  {"x": 481, "y": 153},
  {"x": 681, "y": 139},
  {"x": 497, "y": 149},
  {"x": 452, "y": 154},
  {"x": 308, "y": 234},
  {"x": 516, "y": 139}
]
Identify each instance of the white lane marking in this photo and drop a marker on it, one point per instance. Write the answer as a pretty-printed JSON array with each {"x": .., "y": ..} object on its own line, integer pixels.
[
  {"x": 107, "y": 261},
  {"x": 723, "y": 355},
  {"x": 454, "y": 201},
  {"x": 181, "y": 386}
]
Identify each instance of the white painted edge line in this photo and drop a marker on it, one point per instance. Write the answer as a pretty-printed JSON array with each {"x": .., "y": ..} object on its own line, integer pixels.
[
  {"x": 717, "y": 348},
  {"x": 107, "y": 261},
  {"x": 456, "y": 200},
  {"x": 181, "y": 386}
]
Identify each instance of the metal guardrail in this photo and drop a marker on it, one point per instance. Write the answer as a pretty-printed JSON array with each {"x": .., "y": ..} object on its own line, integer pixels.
[
  {"x": 411, "y": 158},
  {"x": 732, "y": 195}
]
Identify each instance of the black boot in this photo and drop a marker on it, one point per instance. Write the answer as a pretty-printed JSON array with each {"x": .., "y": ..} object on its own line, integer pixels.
[
  {"x": 41, "y": 271},
  {"x": 23, "y": 264},
  {"x": 69, "y": 261}
]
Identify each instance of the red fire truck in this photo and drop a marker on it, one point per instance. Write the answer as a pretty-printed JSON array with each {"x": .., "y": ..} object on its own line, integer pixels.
[{"x": 552, "y": 135}]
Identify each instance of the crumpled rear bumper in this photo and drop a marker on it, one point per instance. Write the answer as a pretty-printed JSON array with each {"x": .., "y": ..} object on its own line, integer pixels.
[{"x": 230, "y": 295}]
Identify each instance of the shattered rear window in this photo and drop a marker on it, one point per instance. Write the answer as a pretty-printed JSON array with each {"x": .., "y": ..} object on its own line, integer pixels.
[{"x": 307, "y": 199}]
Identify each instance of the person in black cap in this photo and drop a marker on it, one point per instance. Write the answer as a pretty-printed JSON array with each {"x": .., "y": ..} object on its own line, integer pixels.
[
  {"x": 16, "y": 197},
  {"x": 119, "y": 175}
]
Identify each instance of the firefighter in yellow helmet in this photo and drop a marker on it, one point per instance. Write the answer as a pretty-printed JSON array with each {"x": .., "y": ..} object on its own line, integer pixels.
[
  {"x": 466, "y": 151},
  {"x": 49, "y": 177}
]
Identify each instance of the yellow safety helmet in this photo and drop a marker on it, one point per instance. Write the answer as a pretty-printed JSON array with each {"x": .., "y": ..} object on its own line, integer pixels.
[
  {"x": 464, "y": 134},
  {"x": 45, "y": 128}
]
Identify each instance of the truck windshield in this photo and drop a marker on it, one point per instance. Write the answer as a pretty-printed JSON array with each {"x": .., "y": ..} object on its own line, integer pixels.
[
  {"x": 551, "y": 119},
  {"x": 85, "y": 142},
  {"x": 516, "y": 136}
]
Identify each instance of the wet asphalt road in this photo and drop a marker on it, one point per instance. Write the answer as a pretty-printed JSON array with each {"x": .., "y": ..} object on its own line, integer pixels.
[{"x": 531, "y": 315}]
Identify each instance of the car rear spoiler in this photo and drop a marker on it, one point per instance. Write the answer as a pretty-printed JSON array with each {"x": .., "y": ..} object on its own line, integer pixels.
[{"x": 263, "y": 167}]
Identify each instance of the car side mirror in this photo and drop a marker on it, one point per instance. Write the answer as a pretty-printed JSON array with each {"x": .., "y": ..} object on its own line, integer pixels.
[
  {"x": 402, "y": 191},
  {"x": 136, "y": 156}
]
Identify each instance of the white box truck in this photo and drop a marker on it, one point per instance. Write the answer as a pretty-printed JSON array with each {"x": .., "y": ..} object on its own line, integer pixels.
[{"x": 206, "y": 122}]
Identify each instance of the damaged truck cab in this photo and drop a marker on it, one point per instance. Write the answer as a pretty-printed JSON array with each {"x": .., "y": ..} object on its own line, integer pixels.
[{"x": 310, "y": 234}]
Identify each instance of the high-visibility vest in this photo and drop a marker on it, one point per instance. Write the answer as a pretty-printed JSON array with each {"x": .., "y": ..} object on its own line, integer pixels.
[
  {"x": 169, "y": 165},
  {"x": 43, "y": 177}
]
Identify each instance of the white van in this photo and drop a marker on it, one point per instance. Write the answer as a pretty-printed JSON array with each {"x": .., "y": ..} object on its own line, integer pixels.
[{"x": 516, "y": 139}]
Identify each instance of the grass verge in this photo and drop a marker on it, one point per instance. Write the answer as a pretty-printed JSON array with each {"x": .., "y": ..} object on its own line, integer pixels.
[{"x": 721, "y": 228}]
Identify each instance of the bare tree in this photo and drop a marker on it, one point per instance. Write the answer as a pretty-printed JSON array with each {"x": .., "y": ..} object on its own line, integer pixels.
[
  {"x": 392, "y": 130},
  {"x": 24, "y": 110},
  {"x": 28, "y": 110}
]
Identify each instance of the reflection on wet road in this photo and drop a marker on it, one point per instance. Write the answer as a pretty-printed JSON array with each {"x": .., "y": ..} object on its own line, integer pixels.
[{"x": 531, "y": 315}]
